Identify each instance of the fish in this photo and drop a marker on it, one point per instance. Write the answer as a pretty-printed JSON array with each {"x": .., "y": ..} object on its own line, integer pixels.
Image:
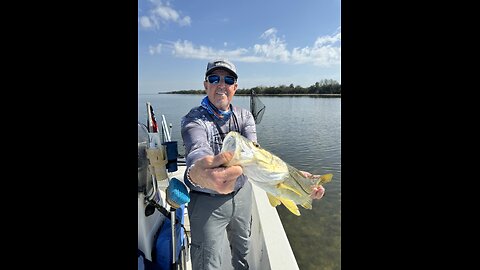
[{"x": 283, "y": 183}]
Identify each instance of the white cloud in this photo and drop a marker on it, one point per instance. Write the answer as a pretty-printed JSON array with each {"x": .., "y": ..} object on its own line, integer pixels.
[
  {"x": 163, "y": 13},
  {"x": 187, "y": 49},
  {"x": 166, "y": 13},
  {"x": 325, "y": 51},
  {"x": 269, "y": 32},
  {"x": 155, "y": 49},
  {"x": 185, "y": 21},
  {"x": 145, "y": 22},
  {"x": 327, "y": 40},
  {"x": 274, "y": 50}
]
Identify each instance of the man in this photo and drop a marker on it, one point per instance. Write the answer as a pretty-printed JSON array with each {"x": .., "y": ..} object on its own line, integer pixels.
[{"x": 220, "y": 197}]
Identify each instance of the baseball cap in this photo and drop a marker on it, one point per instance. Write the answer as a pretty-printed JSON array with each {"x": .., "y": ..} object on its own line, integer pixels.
[{"x": 221, "y": 64}]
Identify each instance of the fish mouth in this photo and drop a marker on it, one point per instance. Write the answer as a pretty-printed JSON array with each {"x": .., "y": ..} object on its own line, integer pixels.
[{"x": 234, "y": 143}]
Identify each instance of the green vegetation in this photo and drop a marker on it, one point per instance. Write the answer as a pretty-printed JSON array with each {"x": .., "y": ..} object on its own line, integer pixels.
[{"x": 324, "y": 87}]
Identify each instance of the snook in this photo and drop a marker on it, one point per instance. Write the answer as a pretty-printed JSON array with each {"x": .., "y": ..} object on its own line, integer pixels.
[{"x": 282, "y": 182}]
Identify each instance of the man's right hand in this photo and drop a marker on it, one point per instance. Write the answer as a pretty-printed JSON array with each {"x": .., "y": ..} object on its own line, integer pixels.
[{"x": 209, "y": 173}]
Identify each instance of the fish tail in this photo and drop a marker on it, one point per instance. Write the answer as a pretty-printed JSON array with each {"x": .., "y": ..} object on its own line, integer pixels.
[{"x": 324, "y": 178}]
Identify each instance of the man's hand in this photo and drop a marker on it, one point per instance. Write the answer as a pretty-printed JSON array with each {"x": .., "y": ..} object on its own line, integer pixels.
[
  {"x": 208, "y": 173},
  {"x": 318, "y": 191}
]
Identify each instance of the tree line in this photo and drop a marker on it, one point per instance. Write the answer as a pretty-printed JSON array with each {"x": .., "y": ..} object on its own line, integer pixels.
[{"x": 326, "y": 86}]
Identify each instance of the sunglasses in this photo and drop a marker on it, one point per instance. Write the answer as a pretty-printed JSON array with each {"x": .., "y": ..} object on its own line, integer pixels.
[{"x": 215, "y": 79}]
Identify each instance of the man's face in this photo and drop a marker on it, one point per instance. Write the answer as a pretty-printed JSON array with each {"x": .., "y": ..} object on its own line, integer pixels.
[{"x": 220, "y": 94}]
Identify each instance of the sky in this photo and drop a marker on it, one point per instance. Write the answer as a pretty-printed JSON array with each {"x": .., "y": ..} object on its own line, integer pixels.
[{"x": 271, "y": 42}]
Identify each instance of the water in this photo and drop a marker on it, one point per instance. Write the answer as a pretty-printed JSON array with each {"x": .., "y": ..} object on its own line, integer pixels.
[{"x": 304, "y": 132}]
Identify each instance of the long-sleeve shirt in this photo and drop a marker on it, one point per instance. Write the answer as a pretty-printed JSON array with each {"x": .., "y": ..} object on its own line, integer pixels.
[{"x": 203, "y": 134}]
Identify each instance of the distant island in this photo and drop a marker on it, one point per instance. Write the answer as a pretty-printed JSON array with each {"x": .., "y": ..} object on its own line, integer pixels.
[{"x": 327, "y": 88}]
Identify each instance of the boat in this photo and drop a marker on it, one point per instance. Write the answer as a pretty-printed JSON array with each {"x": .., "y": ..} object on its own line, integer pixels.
[{"x": 157, "y": 174}]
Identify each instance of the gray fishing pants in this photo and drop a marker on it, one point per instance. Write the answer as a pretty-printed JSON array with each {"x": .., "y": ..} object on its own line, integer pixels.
[{"x": 210, "y": 217}]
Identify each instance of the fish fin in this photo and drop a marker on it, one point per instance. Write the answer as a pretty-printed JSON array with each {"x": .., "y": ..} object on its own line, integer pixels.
[
  {"x": 282, "y": 185},
  {"x": 325, "y": 178},
  {"x": 273, "y": 200},
  {"x": 290, "y": 205},
  {"x": 308, "y": 203}
]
